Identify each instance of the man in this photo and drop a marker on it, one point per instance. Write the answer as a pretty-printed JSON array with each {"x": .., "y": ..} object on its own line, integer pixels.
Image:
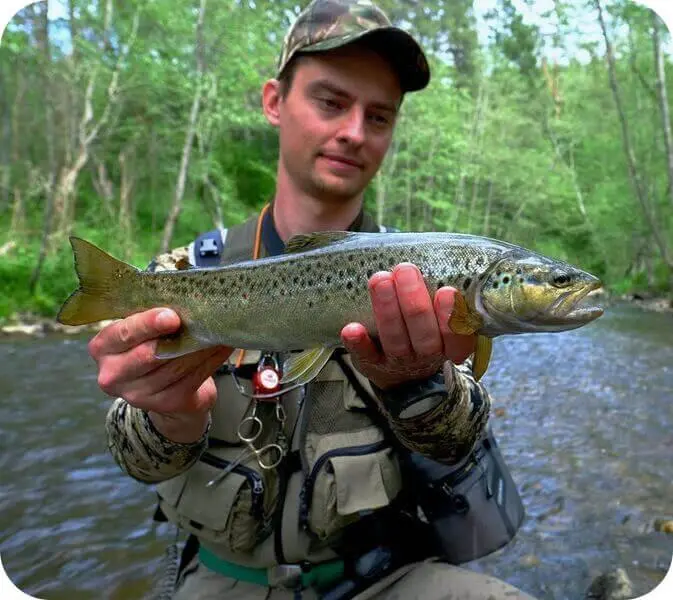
[{"x": 297, "y": 530}]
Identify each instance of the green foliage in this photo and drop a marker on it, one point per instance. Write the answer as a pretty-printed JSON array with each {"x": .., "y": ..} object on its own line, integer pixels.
[{"x": 502, "y": 143}]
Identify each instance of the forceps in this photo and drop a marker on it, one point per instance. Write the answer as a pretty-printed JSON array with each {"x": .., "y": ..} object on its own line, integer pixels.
[{"x": 268, "y": 457}]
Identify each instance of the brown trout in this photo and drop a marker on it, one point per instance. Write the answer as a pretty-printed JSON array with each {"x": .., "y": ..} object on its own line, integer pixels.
[{"x": 300, "y": 301}]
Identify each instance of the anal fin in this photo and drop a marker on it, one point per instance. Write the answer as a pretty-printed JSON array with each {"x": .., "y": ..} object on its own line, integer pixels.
[{"x": 179, "y": 344}]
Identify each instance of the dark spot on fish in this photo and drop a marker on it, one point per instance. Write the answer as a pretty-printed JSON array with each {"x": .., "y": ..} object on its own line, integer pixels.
[
  {"x": 497, "y": 273},
  {"x": 520, "y": 279},
  {"x": 341, "y": 272},
  {"x": 518, "y": 271},
  {"x": 440, "y": 283},
  {"x": 349, "y": 285},
  {"x": 495, "y": 285},
  {"x": 466, "y": 283},
  {"x": 505, "y": 279},
  {"x": 245, "y": 295},
  {"x": 328, "y": 279},
  {"x": 370, "y": 272},
  {"x": 310, "y": 303},
  {"x": 295, "y": 280}
]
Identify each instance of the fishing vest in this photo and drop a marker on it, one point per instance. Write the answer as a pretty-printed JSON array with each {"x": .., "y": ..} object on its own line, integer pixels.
[{"x": 340, "y": 466}]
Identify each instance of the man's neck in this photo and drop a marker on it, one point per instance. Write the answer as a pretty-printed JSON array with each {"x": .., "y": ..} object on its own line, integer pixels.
[
  {"x": 305, "y": 214},
  {"x": 295, "y": 212}
]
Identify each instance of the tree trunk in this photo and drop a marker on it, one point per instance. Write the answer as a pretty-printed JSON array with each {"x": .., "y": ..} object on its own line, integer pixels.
[
  {"x": 472, "y": 151},
  {"x": 103, "y": 185},
  {"x": 125, "y": 193},
  {"x": 634, "y": 174},
  {"x": 178, "y": 195},
  {"x": 89, "y": 129},
  {"x": 47, "y": 87},
  {"x": 5, "y": 143},
  {"x": 487, "y": 216},
  {"x": 662, "y": 96},
  {"x": 16, "y": 227}
]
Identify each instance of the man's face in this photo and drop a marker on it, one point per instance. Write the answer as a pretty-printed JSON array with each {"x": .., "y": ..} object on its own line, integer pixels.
[{"x": 336, "y": 122}]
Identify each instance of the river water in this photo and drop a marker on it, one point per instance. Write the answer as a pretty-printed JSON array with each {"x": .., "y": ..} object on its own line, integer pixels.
[{"x": 584, "y": 419}]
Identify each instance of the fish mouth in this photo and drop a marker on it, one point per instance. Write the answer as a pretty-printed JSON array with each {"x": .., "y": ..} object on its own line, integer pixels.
[{"x": 577, "y": 306}]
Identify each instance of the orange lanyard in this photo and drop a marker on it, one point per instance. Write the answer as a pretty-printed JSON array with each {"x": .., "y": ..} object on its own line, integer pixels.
[{"x": 255, "y": 255}]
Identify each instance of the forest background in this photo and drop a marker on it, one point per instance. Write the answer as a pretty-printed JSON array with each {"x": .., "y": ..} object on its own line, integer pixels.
[{"x": 136, "y": 124}]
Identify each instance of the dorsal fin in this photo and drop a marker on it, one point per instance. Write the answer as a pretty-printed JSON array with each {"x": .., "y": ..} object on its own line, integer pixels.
[{"x": 310, "y": 241}]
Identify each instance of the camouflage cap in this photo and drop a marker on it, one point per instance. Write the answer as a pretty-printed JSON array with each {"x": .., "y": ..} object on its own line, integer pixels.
[{"x": 328, "y": 24}]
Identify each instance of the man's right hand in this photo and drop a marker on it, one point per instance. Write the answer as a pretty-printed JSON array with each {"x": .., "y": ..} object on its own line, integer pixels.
[{"x": 177, "y": 393}]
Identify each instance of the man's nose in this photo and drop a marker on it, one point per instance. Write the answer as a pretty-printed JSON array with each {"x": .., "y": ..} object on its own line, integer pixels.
[{"x": 353, "y": 128}]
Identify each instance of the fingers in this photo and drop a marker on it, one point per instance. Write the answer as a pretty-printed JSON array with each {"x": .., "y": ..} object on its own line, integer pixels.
[
  {"x": 128, "y": 368},
  {"x": 174, "y": 380},
  {"x": 356, "y": 340},
  {"x": 189, "y": 390},
  {"x": 409, "y": 321},
  {"x": 418, "y": 311},
  {"x": 404, "y": 313},
  {"x": 392, "y": 331},
  {"x": 128, "y": 333}
]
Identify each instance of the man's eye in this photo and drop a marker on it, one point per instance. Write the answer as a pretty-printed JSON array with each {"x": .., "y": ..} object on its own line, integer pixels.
[
  {"x": 329, "y": 104},
  {"x": 380, "y": 120}
]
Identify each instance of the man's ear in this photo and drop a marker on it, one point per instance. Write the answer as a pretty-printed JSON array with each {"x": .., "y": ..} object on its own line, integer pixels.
[{"x": 271, "y": 101}]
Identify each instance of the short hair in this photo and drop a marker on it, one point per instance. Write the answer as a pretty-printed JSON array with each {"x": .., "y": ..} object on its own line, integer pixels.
[{"x": 286, "y": 78}]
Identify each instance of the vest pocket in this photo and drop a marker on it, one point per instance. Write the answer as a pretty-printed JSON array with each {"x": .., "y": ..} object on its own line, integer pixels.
[
  {"x": 235, "y": 512},
  {"x": 344, "y": 483}
]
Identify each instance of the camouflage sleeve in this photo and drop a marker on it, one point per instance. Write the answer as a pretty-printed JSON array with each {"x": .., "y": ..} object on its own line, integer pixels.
[
  {"x": 447, "y": 429},
  {"x": 142, "y": 451},
  {"x": 135, "y": 444}
]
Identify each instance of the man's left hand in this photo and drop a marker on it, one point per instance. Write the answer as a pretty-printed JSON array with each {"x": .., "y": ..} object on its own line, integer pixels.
[{"x": 412, "y": 330}]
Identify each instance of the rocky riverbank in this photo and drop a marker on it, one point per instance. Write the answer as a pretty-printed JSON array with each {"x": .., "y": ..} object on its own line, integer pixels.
[{"x": 36, "y": 326}]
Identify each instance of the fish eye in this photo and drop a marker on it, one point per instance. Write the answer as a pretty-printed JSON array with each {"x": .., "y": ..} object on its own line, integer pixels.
[{"x": 561, "y": 280}]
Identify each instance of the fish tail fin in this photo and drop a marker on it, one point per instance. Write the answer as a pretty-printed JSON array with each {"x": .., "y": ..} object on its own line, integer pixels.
[{"x": 98, "y": 296}]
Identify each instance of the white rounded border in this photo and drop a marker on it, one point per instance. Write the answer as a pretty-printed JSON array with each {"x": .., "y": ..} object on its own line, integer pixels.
[{"x": 8, "y": 591}]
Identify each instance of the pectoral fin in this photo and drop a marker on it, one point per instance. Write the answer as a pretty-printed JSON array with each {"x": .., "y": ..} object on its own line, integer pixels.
[
  {"x": 482, "y": 356},
  {"x": 463, "y": 321},
  {"x": 303, "y": 367}
]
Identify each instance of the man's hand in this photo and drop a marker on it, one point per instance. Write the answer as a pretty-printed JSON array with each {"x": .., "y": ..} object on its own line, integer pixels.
[
  {"x": 413, "y": 331},
  {"x": 177, "y": 393}
]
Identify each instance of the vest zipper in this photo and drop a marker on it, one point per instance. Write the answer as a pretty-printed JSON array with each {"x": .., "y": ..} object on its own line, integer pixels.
[{"x": 254, "y": 479}]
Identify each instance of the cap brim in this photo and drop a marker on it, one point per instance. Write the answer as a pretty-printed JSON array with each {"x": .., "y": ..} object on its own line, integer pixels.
[{"x": 396, "y": 45}]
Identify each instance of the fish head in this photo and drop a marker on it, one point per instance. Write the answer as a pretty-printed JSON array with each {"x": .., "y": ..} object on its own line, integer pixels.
[{"x": 525, "y": 292}]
